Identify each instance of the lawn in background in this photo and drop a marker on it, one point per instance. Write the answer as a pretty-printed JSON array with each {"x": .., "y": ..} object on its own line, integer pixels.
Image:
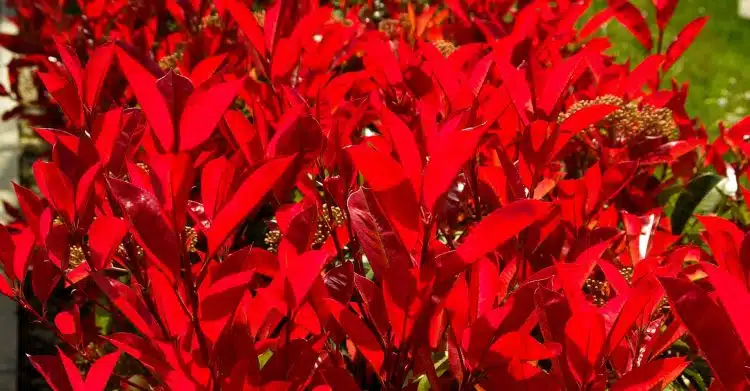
[{"x": 717, "y": 65}]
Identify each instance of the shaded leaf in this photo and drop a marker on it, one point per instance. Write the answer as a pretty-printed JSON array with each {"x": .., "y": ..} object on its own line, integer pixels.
[
  {"x": 452, "y": 151},
  {"x": 712, "y": 330},
  {"x": 653, "y": 375},
  {"x": 105, "y": 234},
  {"x": 500, "y": 226},
  {"x": 585, "y": 337},
  {"x": 130, "y": 304},
  {"x": 361, "y": 336},
  {"x": 246, "y": 199},
  {"x": 150, "y": 98},
  {"x": 149, "y": 225},
  {"x": 203, "y": 111}
]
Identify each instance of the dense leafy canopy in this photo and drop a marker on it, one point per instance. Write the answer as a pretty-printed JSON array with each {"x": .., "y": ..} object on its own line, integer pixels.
[{"x": 306, "y": 195}]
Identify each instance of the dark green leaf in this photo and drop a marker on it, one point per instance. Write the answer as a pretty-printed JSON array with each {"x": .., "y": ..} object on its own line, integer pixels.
[{"x": 701, "y": 196}]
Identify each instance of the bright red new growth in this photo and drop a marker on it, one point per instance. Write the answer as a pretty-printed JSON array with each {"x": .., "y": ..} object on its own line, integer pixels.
[{"x": 315, "y": 195}]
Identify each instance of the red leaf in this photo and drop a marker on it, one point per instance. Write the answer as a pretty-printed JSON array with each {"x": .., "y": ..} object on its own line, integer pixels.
[
  {"x": 520, "y": 376},
  {"x": 292, "y": 365},
  {"x": 636, "y": 311},
  {"x": 557, "y": 80},
  {"x": 520, "y": 346},
  {"x": 150, "y": 98},
  {"x": 68, "y": 323},
  {"x": 380, "y": 242},
  {"x": 295, "y": 132},
  {"x": 732, "y": 294},
  {"x": 745, "y": 250},
  {"x": 615, "y": 178},
  {"x": 510, "y": 316},
  {"x": 380, "y": 170},
  {"x": 72, "y": 371},
  {"x": 381, "y": 62},
  {"x": 456, "y": 305},
  {"x": 286, "y": 56},
  {"x": 245, "y": 200},
  {"x": 457, "y": 8},
  {"x": 176, "y": 90},
  {"x": 585, "y": 337},
  {"x": 579, "y": 121},
  {"x": 500, "y": 226},
  {"x": 668, "y": 337},
  {"x": 630, "y": 17},
  {"x": 451, "y": 152},
  {"x": 664, "y": 11},
  {"x": 55, "y": 240},
  {"x": 53, "y": 371},
  {"x": 7, "y": 249},
  {"x": 595, "y": 22},
  {"x": 299, "y": 274},
  {"x": 130, "y": 304},
  {"x": 359, "y": 333},
  {"x": 24, "y": 246},
  {"x": 56, "y": 187},
  {"x": 271, "y": 23},
  {"x": 737, "y": 132},
  {"x": 203, "y": 111},
  {"x": 654, "y": 375},
  {"x": 483, "y": 287},
  {"x": 140, "y": 349},
  {"x": 105, "y": 234},
  {"x": 340, "y": 282},
  {"x": 573, "y": 275},
  {"x": 164, "y": 296},
  {"x": 235, "y": 273},
  {"x": 99, "y": 373},
  {"x": 479, "y": 74},
  {"x": 96, "y": 72},
  {"x": 337, "y": 378},
  {"x": 72, "y": 64},
  {"x": 405, "y": 145},
  {"x": 684, "y": 39},
  {"x": 205, "y": 69},
  {"x": 514, "y": 80},
  {"x": 216, "y": 184},
  {"x": 725, "y": 240},
  {"x": 554, "y": 311},
  {"x": 246, "y": 135},
  {"x": 402, "y": 303},
  {"x": 372, "y": 300},
  {"x": 177, "y": 181},
  {"x": 401, "y": 208},
  {"x": 30, "y": 205},
  {"x": 84, "y": 192},
  {"x": 712, "y": 330},
  {"x": 110, "y": 138},
  {"x": 587, "y": 116},
  {"x": 248, "y": 24},
  {"x": 509, "y": 185},
  {"x": 646, "y": 73},
  {"x": 150, "y": 226},
  {"x": 157, "y": 357}
]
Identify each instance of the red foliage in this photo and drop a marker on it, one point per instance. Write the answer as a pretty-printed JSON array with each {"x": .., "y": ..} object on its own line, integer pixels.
[{"x": 464, "y": 196}]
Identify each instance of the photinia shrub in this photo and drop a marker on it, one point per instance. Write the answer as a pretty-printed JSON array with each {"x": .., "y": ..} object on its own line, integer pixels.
[{"x": 390, "y": 195}]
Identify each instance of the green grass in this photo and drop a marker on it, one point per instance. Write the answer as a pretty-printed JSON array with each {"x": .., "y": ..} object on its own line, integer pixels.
[{"x": 717, "y": 66}]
